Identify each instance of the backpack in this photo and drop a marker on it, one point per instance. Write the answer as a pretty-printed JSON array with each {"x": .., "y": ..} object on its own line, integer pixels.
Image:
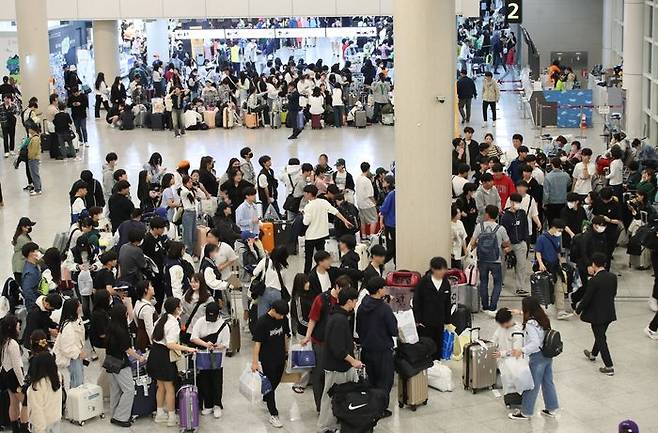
[
  {"x": 552, "y": 344},
  {"x": 488, "y": 250},
  {"x": 351, "y": 214}
]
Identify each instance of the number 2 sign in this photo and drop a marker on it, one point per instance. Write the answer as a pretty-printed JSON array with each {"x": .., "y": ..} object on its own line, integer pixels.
[{"x": 514, "y": 14}]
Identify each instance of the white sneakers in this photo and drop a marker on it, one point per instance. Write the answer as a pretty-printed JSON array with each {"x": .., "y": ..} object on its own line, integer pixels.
[
  {"x": 563, "y": 315},
  {"x": 653, "y": 304},
  {"x": 161, "y": 418},
  {"x": 217, "y": 412},
  {"x": 275, "y": 421},
  {"x": 490, "y": 313},
  {"x": 206, "y": 411},
  {"x": 651, "y": 334}
]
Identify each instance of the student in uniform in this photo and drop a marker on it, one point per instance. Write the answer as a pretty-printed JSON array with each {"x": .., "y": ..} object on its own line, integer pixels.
[
  {"x": 44, "y": 395},
  {"x": 211, "y": 332},
  {"x": 12, "y": 376},
  {"x": 339, "y": 362},
  {"x": 161, "y": 364},
  {"x": 178, "y": 271},
  {"x": 212, "y": 275},
  {"x": 194, "y": 303},
  {"x": 145, "y": 315},
  {"x": 270, "y": 336},
  {"x": 323, "y": 276},
  {"x": 275, "y": 288},
  {"x": 122, "y": 387},
  {"x": 376, "y": 266},
  {"x": 68, "y": 348},
  {"x": 349, "y": 259}
]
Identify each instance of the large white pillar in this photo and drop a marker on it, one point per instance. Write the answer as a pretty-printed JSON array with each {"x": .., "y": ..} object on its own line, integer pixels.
[
  {"x": 106, "y": 48},
  {"x": 633, "y": 68},
  {"x": 425, "y": 41},
  {"x": 157, "y": 40},
  {"x": 33, "y": 50},
  {"x": 606, "y": 55}
]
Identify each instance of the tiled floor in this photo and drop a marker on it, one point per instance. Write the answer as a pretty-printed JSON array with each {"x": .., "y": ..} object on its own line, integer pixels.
[{"x": 591, "y": 403}]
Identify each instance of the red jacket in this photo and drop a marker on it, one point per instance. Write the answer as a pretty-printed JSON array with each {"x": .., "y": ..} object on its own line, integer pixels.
[{"x": 505, "y": 187}]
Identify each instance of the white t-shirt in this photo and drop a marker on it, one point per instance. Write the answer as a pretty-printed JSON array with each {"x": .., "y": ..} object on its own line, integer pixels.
[
  {"x": 325, "y": 281},
  {"x": 316, "y": 217},
  {"x": 225, "y": 254},
  {"x": 341, "y": 180},
  {"x": 616, "y": 176},
  {"x": 458, "y": 183},
  {"x": 458, "y": 233},
  {"x": 582, "y": 184},
  {"x": 262, "y": 181},
  {"x": 364, "y": 192},
  {"x": 271, "y": 276},
  {"x": 538, "y": 175},
  {"x": 171, "y": 331},
  {"x": 203, "y": 328},
  {"x": 337, "y": 97},
  {"x": 78, "y": 206}
]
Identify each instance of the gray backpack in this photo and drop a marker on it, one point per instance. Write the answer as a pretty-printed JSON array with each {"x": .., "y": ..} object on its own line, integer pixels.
[{"x": 488, "y": 249}]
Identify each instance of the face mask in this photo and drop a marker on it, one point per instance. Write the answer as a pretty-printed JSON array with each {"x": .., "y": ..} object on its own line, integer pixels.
[
  {"x": 558, "y": 234},
  {"x": 571, "y": 205},
  {"x": 39, "y": 255},
  {"x": 599, "y": 229},
  {"x": 563, "y": 158}
]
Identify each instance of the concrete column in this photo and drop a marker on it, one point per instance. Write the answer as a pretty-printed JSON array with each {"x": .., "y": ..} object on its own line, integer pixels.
[
  {"x": 157, "y": 40},
  {"x": 106, "y": 48},
  {"x": 33, "y": 50},
  {"x": 425, "y": 41},
  {"x": 606, "y": 55},
  {"x": 633, "y": 67}
]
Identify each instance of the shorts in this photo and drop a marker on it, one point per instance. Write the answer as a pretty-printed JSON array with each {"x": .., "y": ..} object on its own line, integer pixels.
[{"x": 368, "y": 216}]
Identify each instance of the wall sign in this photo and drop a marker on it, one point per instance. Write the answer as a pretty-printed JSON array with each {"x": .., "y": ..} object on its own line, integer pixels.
[{"x": 514, "y": 11}]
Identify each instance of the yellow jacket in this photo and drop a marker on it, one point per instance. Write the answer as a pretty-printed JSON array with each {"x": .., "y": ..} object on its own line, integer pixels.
[{"x": 34, "y": 148}]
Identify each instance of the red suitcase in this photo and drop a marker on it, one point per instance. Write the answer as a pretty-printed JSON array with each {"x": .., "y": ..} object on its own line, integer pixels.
[
  {"x": 316, "y": 122},
  {"x": 456, "y": 276},
  {"x": 401, "y": 285}
]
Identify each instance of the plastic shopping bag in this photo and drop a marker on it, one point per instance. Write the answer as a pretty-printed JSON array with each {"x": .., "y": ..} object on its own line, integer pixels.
[
  {"x": 254, "y": 385},
  {"x": 300, "y": 358},
  {"x": 85, "y": 283},
  {"x": 407, "y": 331},
  {"x": 439, "y": 377},
  {"x": 515, "y": 375}
]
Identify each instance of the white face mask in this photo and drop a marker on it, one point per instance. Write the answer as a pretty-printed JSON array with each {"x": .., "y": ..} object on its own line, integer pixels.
[
  {"x": 599, "y": 229},
  {"x": 571, "y": 205},
  {"x": 558, "y": 234},
  {"x": 39, "y": 255}
]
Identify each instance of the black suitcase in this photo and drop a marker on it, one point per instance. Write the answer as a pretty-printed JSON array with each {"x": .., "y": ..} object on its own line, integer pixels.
[
  {"x": 461, "y": 319},
  {"x": 47, "y": 142},
  {"x": 513, "y": 400},
  {"x": 127, "y": 120},
  {"x": 283, "y": 236},
  {"x": 144, "y": 402},
  {"x": 219, "y": 119},
  {"x": 541, "y": 286},
  {"x": 157, "y": 122}
]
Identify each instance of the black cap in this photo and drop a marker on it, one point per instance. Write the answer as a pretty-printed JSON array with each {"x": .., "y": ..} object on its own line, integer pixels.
[
  {"x": 340, "y": 162},
  {"x": 212, "y": 312},
  {"x": 380, "y": 171},
  {"x": 25, "y": 221}
]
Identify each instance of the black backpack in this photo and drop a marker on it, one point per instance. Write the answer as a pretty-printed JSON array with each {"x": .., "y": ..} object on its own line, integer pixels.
[
  {"x": 357, "y": 406},
  {"x": 552, "y": 344}
]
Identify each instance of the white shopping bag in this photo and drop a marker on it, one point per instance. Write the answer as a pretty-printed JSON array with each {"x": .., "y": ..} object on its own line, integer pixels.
[
  {"x": 85, "y": 283},
  {"x": 250, "y": 385},
  {"x": 439, "y": 377},
  {"x": 515, "y": 375},
  {"x": 407, "y": 331}
]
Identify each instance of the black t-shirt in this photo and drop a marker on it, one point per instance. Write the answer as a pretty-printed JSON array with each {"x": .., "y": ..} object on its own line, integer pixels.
[
  {"x": 104, "y": 278},
  {"x": 62, "y": 122},
  {"x": 118, "y": 342},
  {"x": 271, "y": 334}
]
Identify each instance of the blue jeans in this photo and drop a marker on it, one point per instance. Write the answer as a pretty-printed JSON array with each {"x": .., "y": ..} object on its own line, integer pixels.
[
  {"x": 76, "y": 372},
  {"x": 338, "y": 115},
  {"x": 497, "y": 273},
  {"x": 33, "y": 166},
  {"x": 189, "y": 230},
  {"x": 81, "y": 129},
  {"x": 267, "y": 299},
  {"x": 542, "y": 374}
]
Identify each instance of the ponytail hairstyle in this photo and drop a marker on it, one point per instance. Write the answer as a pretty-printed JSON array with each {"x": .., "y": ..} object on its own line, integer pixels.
[{"x": 170, "y": 306}]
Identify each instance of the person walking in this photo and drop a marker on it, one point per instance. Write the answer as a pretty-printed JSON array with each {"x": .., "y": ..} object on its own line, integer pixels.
[
  {"x": 548, "y": 249},
  {"x": 466, "y": 91},
  {"x": 34, "y": 156},
  {"x": 490, "y": 97},
  {"x": 102, "y": 93},
  {"x": 79, "y": 102},
  {"x": 515, "y": 222},
  {"x": 536, "y": 324},
  {"x": 598, "y": 309}
]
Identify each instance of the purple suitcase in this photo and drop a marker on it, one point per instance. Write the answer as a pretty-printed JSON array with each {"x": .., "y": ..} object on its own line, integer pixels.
[{"x": 188, "y": 405}]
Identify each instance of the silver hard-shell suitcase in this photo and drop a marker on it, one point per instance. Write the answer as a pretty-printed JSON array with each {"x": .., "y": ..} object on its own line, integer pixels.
[{"x": 479, "y": 364}]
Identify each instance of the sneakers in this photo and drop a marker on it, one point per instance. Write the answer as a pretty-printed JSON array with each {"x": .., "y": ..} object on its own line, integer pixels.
[
  {"x": 33, "y": 193},
  {"x": 161, "y": 418},
  {"x": 518, "y": 416},
  {"x": 387, "y": 413},
  {"x": 206, "y": 411},
  {"x": 521, "y": 292},
  {"x": 217, "y": 412},
  {"x": 653, "y": 304},
  {"x": 86, "y": 144},
  {"x": 651, "y": 334},
  {"x": 124, "y": 424},
  {"x": 548, "y": 414},
  {"x": 490, "y": 313},
  {"x": 275, "y": 421},
  {"x": 563, "y": 315},
  {"x": 589, "y": 355},
  {"x": 171, "y": 420},
  {"x": 609, "y": 371},
  {"x": 6, "y": 154},
  {"x": 30, "y": 187}
]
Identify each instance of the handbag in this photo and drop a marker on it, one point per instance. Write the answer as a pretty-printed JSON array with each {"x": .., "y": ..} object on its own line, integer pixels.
[
  {"x": 175, "y": 355},
  {"x": 112, "y": 364},
  {"x": 178, "y": 215},
  {"x": 292, "y": 203},
  {"x": 257, "y": 287}
]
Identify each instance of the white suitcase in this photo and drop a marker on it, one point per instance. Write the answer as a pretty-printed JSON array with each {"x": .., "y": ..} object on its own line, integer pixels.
[{"x": 84, "y": 403}]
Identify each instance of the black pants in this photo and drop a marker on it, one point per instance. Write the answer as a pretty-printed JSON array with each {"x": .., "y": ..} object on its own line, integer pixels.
[
  {"x": 159, "y": 288},
  {"x": 601, "y": 343},
  {"x": 654, "y": 323},
  {"x": 389, "y": 232},
  {"x": 436, "y": 335},
  {"x": 553, "y": 211},
  {"x": 211, "y": 383},
  {"x": 97, "y": 107},
  {"x": 578, "y": 295},
  {"x": 465, "y": 104},
  {"x": 9, "y": 136},
  {"x": 381, "y": 370},
  {"x": 485, "y": 105},
  {"x": 273, "y": 372},
  {"x": 654, "y": 264},
  {"x": 310, "y": 247},
  {"x": 317, "y": 375}
]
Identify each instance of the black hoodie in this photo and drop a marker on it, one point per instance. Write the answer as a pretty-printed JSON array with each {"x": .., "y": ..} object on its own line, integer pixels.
[
  {"x": 340, "y": 342},
  {"x": 376, "y": 325},
  {"x": 94, "y": 195}
]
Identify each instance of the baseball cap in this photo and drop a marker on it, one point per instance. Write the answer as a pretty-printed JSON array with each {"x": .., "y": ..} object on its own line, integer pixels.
[
  {"x": 25, "y": 221},
  {"x": 340, "y": 162},
  {"x": 212, "y": 312},
  {"x": 380, "y": 171}
]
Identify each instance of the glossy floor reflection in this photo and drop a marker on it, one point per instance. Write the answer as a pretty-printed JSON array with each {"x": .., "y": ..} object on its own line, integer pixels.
[{"x": 591, "y": 403}]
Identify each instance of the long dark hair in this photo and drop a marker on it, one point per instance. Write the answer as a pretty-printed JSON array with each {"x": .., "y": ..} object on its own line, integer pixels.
[
  {"x": 166, "y": 181},
  {"x": 99, "y": 79},
  {"x": 118, "y": 323},
  {"x": 69, "y": 313},
  {"x": 82, "y": 244},
  {"x": 155, "y": 159},
  {"x": 17, "y": 233},
  {"x": 230, "y": 164},
  {"x": 532, "y": 310},
  {"x": 53, "y": 261},
  {"x": 102, "y": 300},
  {"x": 42, "y": 366},
  {"x": 279, "y": 257},
  {"x": 170, "y": 306},
  {"x": 8, "y": 331},
  {"x": 298, "y": 284},
  {"x": 204, "y": 293}
]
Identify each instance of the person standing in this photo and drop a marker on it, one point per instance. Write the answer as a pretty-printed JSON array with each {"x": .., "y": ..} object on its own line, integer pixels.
[
  {"x": 102, "y": 95},
  {"x": 548, "y": 251},
  {"x": 387, "y": 217},
  {"x": 339, "y": 362},
  {"x": 246, "y": 166},
  {"x": 431, "y": 303},
  {"x": 20, "y": 238},
  {"x": 79, "y": 102},
  {"x": 44, "y": 395},
  {"x": 31, "y": 276},
  {"x": 536, "y": 324},
  {"x": 271, "y": 333},
  {"x": 515, "y": 222},
  {"x": 267, "y": 185},
  {"x": 69, "y": 345},
  {"x": 8, "y": 113},
  {"x": 13, "y": 376},
  {"x": 583, "y": 173},
  {"x": 365, "y": 201},
  {"x": 490, "y": 97},
  {"x": 178, "y": 103},
  {"x": 598, "y": 309},
  {"x": 556, "y": 187},
  {"x": 376, "y": 326},
  {"x": 380, "y": 92},
  {"x": 466, "y": 91}
]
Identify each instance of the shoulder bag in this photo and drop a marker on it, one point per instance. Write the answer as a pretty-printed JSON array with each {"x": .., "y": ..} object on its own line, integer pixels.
[{"x": 292, "y": 203}]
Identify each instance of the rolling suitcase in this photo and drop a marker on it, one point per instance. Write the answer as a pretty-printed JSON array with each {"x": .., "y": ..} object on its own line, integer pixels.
[
  {"x": 283, "y": 236},
  {"x": 479, "y": 364},
  {"x": 219, "y": 119},
  {"x": 401, "y": 285},
  {"x": 236, "y": 339},
  {"x": 275, "y": 119},
  {"x": 268, "y": 236},
  {"x": 157, "y": 122},
  {"x": 413, "y": 392},
  {"x": 229, "y": 118},
  {"x": 316, "y": 121},
  {"x": 127, "y": 120},
  {"x": 541, "y": 287},
  {"x": 360, "y": 119},
  {"x": 188, "y": 404},
  {"x": 467, "y": 295},
  {"x": 251, "y": 120},
  {"x": 141, "y": 119},
  {"x": 144, "y": 403},
  {"x": 84, "y": 403},
  {"x": 209, "y": 118}
]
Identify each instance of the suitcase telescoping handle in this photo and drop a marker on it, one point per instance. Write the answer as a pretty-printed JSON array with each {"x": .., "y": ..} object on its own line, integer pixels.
[
  {"x": 471, "y": 333},
  {"x": 518, "y": 334}
]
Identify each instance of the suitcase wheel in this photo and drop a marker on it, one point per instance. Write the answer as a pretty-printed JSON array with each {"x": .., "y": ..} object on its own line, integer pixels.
[
  {"x": 425, "y": 403},
  {"x": 474, "y": 391},
  {"x": 413, "y": 408},
  {"x": 400, "y": 405}
]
